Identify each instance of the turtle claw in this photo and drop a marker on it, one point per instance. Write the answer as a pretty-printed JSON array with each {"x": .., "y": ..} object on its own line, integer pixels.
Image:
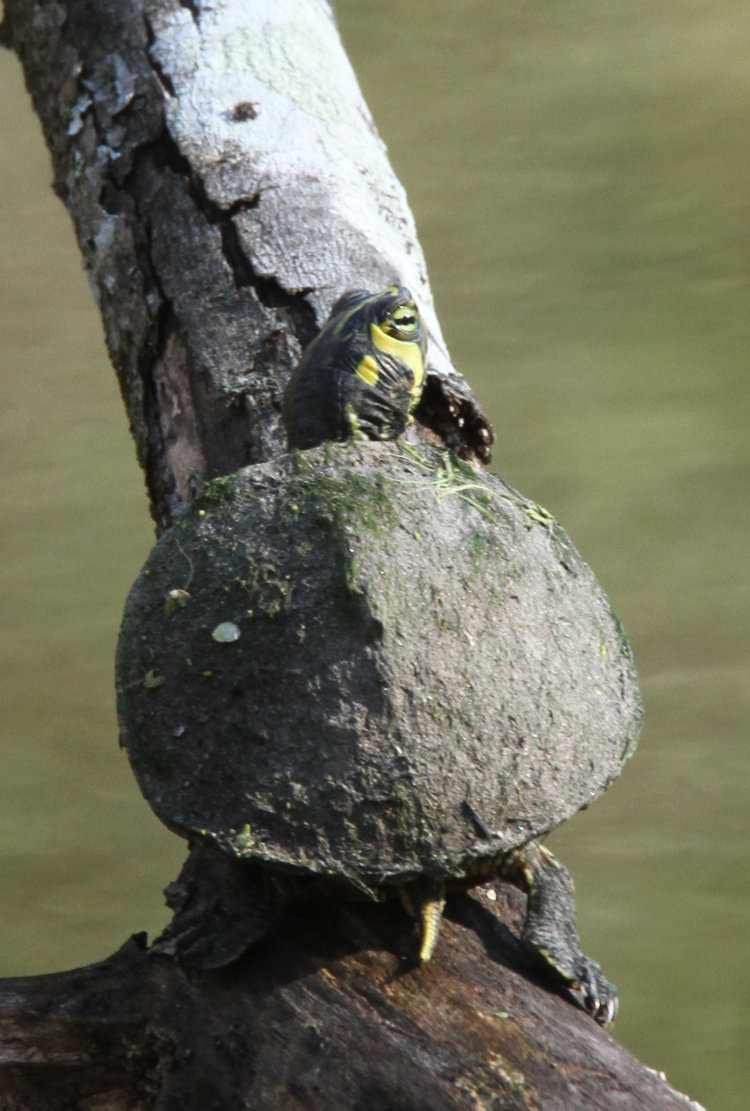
[{"x": 597, "y": 996}]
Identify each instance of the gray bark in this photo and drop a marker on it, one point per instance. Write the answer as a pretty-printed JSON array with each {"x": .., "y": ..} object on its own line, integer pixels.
[{"x": 226, "y": 184}]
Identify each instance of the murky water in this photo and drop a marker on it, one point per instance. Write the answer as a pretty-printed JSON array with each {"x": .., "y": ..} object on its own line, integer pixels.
[{"x": 579, "y": 176}]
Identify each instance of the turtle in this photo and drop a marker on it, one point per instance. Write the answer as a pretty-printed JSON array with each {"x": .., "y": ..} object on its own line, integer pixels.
[
  {"x": 363, "y": 374},
  {"x": 369, "y": 669}
]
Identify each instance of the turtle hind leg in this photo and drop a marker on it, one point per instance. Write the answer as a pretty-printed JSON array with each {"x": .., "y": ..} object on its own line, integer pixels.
[
  {"x": 221, "y": 907},
  {"x": 424, "y": 900},
  {"x": 549, "y": 931}
]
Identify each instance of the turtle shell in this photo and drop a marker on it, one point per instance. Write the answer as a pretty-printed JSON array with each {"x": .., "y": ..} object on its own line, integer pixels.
[{"x": 371, "y": 662}]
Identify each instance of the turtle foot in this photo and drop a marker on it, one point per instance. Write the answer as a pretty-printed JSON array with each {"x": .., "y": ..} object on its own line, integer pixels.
[
  {"x": 424, "y": 900},
  {"x": 549, "y": 933},
  {"x": 221, "y": 905}
]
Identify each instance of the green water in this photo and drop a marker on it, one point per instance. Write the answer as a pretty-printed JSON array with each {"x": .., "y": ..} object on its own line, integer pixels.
[{"x": 579, "y": 174}]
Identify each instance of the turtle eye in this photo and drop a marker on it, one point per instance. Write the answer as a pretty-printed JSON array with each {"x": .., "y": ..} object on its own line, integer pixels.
[{"x": 403, "y": 318}]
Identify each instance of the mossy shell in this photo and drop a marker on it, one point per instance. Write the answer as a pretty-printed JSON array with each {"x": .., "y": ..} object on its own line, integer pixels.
[{"x": 371, "y": 662}]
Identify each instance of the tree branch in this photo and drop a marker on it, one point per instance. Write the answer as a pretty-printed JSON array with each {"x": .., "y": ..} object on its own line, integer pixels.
[{"x": 226, "y": 184}]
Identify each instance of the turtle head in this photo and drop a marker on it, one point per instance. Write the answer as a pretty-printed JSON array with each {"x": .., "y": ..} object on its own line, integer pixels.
[{"x": 363, "y": 375}]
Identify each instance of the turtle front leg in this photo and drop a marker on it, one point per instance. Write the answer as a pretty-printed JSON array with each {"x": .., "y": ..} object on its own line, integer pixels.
[{"x": 549, "y": 932}]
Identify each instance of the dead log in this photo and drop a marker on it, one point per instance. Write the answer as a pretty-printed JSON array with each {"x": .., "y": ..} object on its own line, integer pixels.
[
  {"x": 330, "y": 1011},
  {"x": 226, "y": 184}
]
